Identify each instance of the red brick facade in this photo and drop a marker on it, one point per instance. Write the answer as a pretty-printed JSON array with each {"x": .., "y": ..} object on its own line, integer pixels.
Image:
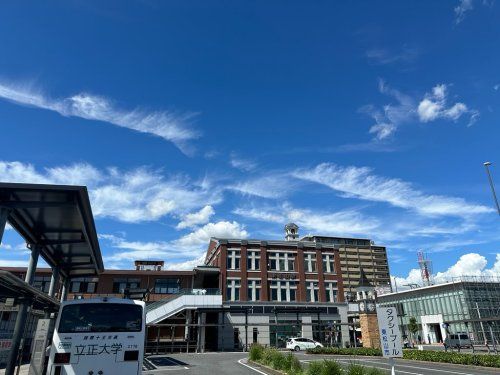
[{"x": 217, "y": 255}]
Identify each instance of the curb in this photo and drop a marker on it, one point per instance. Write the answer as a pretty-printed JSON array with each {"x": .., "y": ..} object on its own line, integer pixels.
[{"x": 264, "y": 368}]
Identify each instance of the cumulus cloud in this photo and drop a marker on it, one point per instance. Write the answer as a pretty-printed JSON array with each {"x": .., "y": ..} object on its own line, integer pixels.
[
  {"x": 361, "y": 183},
  {"x": 405, "y": 109},
  {"x": 181, "y": 250},
  {"x": 135, "y": 195},
  {"x": 192, "y": 219},
  {"x": 471, "y": 264},
  {"x": 201, "y": 236},
  {"x": 434, "y": 106},
  {"x": 188, "y": 264},
  {"x": 170, "y": 126}
]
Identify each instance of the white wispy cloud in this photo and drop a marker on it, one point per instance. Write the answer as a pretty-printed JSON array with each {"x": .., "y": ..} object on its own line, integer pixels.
[
  {"x": 361, "y": 183},
  {"x": 272, "y": 185},
  {"x": 243, "y": 164},
  {"x": 135, "y": 195},
  {"x": 168, "y": 125},
  {"x": 384, "y": 56},
  {"x": 471, "y": 264},
  {"x": 200, "y": 217},
  {"x": 390, "y": 116},
  {"x": 341, "y": 223},
  {"x": 462, "y": 8},
  {"x": 405, "y": 109}
]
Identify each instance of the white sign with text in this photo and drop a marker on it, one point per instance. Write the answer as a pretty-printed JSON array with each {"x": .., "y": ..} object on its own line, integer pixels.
[{"x": 390, "y": 335}]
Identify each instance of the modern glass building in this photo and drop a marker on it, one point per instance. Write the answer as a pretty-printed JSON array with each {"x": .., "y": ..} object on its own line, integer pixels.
[{"x": 466, "y": 304}]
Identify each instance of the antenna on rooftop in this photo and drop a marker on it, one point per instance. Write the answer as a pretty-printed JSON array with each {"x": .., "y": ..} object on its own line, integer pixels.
[{"x": 425, "y": 265}]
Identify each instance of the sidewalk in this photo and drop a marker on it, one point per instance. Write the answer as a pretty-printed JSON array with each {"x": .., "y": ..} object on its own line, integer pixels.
[{"x": 23, "y": 371}]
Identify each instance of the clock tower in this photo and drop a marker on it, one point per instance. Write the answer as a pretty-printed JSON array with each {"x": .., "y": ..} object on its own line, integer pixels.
[{"x": 367, "y": 312}]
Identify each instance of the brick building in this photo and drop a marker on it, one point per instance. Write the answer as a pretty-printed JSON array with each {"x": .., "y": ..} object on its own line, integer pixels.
[{"x": 247, "y": 291}]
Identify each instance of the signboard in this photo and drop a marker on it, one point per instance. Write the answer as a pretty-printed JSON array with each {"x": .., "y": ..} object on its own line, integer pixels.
[
  {"x": 5, "y": 344},
  {"x": 40, "y": 343},
  {"x": 282, "y": 276},
  {"x": 390, "y": 335}
]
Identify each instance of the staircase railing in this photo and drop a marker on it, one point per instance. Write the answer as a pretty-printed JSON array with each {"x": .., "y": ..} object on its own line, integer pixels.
[{"x": 183, "y": 292}]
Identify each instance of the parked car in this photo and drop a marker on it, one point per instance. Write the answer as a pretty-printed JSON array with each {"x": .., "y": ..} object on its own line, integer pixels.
[
  {"x": 301, "y": 343},
  {"x": 456, "y": 340}
]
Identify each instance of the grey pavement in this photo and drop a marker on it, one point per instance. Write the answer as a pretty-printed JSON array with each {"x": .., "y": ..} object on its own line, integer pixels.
[{"x": 235, "y": 364}]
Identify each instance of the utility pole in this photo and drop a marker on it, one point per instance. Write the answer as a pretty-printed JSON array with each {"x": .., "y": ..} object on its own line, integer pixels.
[{"x": 487, "y": 165}]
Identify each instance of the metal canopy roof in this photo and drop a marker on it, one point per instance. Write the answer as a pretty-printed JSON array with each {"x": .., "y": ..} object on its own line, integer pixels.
[
  {"x": 59, "y": 219},
  {"x": 12, "y": 286}
]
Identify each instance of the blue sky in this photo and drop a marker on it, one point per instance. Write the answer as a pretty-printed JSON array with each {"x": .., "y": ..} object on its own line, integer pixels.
[{"x": 196, "y": 119}]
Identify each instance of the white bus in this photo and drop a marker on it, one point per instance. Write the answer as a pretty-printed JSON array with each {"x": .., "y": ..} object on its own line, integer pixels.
[{"x": 100, "y": 336}]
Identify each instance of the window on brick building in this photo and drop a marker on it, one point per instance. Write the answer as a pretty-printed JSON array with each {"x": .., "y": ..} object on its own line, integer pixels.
[
  {"x": 120, "y": 284},
  {"x": 42, "y": 283},
  {"x": 253, "y": 260},
  {"x": 312, "y": 291},
  {"x": 83, "y": 285},
  {"x": 233, "y": 259},
  {"x": 168, "y": 285},
  {"x": 283, "y": 291},
  {"x": 310, "y": 262},
  {"x": 233, "y": 290},
  {"x": 281, "y": 261},
  {"x": 331, "y": 291},
  {"x": 328, "y": 263},
  {"x": 253, "y": 290}
]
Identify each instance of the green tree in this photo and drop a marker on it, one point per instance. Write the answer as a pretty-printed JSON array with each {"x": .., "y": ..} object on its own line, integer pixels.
[{"x": 413, "y": 327}]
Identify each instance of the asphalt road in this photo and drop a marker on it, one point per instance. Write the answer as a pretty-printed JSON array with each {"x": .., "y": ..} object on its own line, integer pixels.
[{"x": 235, "y": 364}]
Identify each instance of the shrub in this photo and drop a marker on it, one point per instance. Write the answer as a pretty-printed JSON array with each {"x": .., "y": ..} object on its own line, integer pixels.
[
  {"x": 292, "y": 364},
  {"x": 256, "y": 352},
  {"x": 355, "y": 369},
  {"x": 315, "y": 368},
  {"x": 331, "y": 368},
  {"x": 452, "y": 357},
  {"x": 375, "y": 371},
  {"x": 346, "y": 351}
]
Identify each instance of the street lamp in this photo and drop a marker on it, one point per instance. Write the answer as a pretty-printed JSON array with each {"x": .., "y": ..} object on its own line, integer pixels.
[{"x": 486, "y": 165}]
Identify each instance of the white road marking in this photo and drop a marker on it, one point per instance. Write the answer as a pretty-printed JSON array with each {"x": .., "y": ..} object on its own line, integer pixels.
[
  {"x": 415, "y": 367},
  {"x": 250, "y": 367}
]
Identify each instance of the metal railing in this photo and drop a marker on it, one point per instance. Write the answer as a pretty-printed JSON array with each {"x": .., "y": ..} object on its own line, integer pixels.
[{"x": 184, "y": 292}]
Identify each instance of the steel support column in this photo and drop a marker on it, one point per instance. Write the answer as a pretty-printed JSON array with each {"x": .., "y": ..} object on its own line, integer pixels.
[
  {"x": 22, "y": 314},
  {"x": 52, "y": 287},
  {"x": 65, "y": 289},
  {"x": 53, "y": 281},
  {"x": 4, "y": 214}
]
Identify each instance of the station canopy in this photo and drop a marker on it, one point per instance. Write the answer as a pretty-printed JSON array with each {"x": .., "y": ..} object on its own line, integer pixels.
[
  {"x": 13, "y": 287},
  {"x": 59, "y": 220}
]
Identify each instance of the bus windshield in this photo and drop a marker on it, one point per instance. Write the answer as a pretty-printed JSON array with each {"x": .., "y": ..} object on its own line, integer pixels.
[{"x": 101, "y": 317}]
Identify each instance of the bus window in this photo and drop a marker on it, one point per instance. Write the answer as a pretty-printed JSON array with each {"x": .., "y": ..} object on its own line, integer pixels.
[{"x": 100, "y": 317}]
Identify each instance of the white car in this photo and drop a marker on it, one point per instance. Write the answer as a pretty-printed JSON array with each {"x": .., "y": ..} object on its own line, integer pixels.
[{"x": 301, "y": 343}]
